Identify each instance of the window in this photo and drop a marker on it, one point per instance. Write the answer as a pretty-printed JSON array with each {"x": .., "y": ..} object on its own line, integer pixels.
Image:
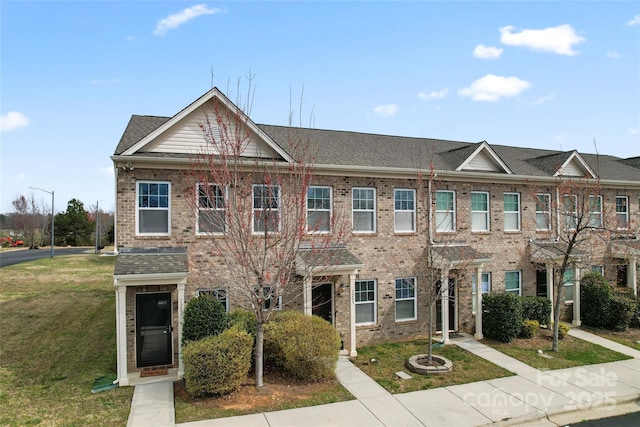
[
  {"x": 365, "y": 294},
  {"x": 511, "y": 211},
  {"x": 595, "y": 211},
  {"x": 153, "y": 207},
  {"x": 319, "y": 209},
  {"x": 364, "y": 210},
  {"x": 543, "y": 212},
  {"x": 404, "y": 210},
  {"x": 445, "y": 211},
  {"x": 211, "y": 209},
  {"x": 570, "y": 211},
  {"x": 598, "y": 269},
  {"x": 266, "y": 208},
  {"x": 485, "y": 286},
  {"x": 219, "y": 294},
  {"x": 568, "y": 285},
  {"x": 622, "y": 212},
  {"x": 406, "y": 299},
  {"x": 479, "y": 211},
  {"x": 512, "y": 282},
  {"x": 269, "y": 298}
]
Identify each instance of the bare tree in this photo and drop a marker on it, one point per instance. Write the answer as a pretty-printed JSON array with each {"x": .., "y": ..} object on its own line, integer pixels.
[
  {"x": 251, "y": 202},
  {"x": 29, "y": 218}
]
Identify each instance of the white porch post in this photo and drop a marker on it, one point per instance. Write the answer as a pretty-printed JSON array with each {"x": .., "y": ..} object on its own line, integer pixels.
[
  {"x": 478, "y": 334},
  {"x": 352, "y": 316},
  {"x": 444, "y": 288},
  {"x": 549, "y": 270},
  {"x": 632, "y": 275},
  {"x": 180, "y": 318},
  {"x": 307, "y": 294},
  {"x": 576, "y": 296},
  {"x": 121, "y": 334}
]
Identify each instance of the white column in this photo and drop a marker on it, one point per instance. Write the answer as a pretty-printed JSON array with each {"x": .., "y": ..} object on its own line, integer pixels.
[
  {"x": 549, "y": 270},
  {"x": 478, "y": 334},
  {"x": 307, "y": 295},
  {"x": 352, "y": 316},
  {"x": 181, "y": 287},
  {"x": 121, "y": 334},
  {"x": 444, "y": 288},
  {"x": 632, "y": 275},
  {"x": 576, "y": 296}
]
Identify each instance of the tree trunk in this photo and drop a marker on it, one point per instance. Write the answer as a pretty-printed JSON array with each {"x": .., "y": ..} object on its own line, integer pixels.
[
  {"x": 430, "y": 335},
  {"x": 556, "y": 317},
  {"x": 259, "y": 360}
]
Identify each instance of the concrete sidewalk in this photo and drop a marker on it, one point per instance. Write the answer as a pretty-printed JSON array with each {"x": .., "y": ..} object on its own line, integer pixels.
[{"x": 530, "y": 397}]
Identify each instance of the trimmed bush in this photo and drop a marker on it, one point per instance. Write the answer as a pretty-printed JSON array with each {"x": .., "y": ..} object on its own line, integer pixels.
[
  {"x": 204, "y": 316},
  {"x": 502, "y": 316},
  {"x": 595, "y": 294},
  {"x": 620, "y": 312},
  {"x": 305, "y": 346},
  {"x": 217, "y": 365},
  {"x": 536, "y": 308},
  {"x": 245, "y": 318},
  {"x": 563, "y": 330},
  {"x": 529, "y": 328}
]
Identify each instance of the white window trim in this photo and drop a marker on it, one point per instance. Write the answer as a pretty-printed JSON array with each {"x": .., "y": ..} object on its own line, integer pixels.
[
  {"x": 138, "y": 208},
  {"x": 488, "y": 218},
  {"x": 215, "y": 293},
  {"x": 199, "y": 209},
  {"x": 414, "y": 298},
  {"x": 626, "y": 213},
  {"x": 519, "y": 226},
  {"x": 330, "y": 210},
  {"x": 278, "y": 209},
  {"x": 519, "y": 282},
  {"x": 474, "y": 287},
  {"x": 413, "y": 211},
  {"x": 570, "y": 215},
  {"x": 374, "y": 302},
  {"x": 598, "y": 212},
  {"x": 546, "y": 212},
  {"x": 448, "y": 212},
  {"x": 353, "y": 210}
]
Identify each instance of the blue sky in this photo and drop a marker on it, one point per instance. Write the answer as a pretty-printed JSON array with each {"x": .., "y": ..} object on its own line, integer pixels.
[{"x": 550, "y": 74}]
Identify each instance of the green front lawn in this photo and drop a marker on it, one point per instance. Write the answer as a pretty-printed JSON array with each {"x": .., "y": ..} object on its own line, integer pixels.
[
  {"x": 572, "y": 351},
  {"x": 391, "y": 358}
]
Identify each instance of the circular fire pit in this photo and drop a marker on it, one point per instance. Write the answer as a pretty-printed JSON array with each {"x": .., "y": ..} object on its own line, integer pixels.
[{"x": 440, "y": 365}]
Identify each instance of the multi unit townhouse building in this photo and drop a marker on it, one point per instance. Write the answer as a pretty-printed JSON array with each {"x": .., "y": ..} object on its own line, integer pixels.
[{"x": 489, "y": 212}]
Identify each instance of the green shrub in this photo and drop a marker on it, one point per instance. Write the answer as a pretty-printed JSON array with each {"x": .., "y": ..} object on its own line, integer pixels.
[
  {"x": 595, "y": 294},
  {"x": 529, "y": 328},
  {"x": 502, "y": 316},
  {"x": 204, "y": 316},
  {"x": 563, "y": 330},
  {"x": 245, "y": 318},
  {"x": 305, "y": 346},
  {"x": 536, "y": 308},
  {"x": 620, "y": 312},
  {"x": 217, "y": 365}
]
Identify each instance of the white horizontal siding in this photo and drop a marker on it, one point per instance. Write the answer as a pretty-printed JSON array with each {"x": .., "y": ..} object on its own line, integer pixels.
[
  {"x": 572, "y": 169},
  {"x": 482, "y": 162}
]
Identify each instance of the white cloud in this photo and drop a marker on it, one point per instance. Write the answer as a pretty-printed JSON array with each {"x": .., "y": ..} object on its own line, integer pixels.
[
  {"x": 172, "y": 22},
  {"x": 492, "y": 88},
  {"x": 108, "y": 170},
  {"x": 487, "y": 52},
  {"x": 558, "y": 39},
  {"x": 130, "y": 38},
  {"x": 634, "y": 21},
  {"x": 613, "y": 54},
  {"x": 13, "y": 120},
  {"x": 105, "y": 82},
  {"x": 633, "y": 131},
  {"x": 439, "y": 94},
  {"x": 386, "y": 110},
  {"x": 546, "y": 98}
]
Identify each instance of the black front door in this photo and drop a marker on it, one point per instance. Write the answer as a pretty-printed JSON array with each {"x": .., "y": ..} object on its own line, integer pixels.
[
  {"x": 153, "y": 329},
  {"x": 452, "y": 306},
  {"x": 322, "y": 304}
]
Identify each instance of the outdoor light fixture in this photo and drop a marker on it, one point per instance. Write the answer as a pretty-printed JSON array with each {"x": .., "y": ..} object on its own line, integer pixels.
[{"x": 53, "y": 215}]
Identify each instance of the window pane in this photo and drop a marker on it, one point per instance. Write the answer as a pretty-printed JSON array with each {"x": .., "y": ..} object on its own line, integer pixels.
[
  {"x": 318, "y": 221},
  {"x": 542, "y": 221},
  {"x": 479, "y": 221},
  {"x": 479, "y": 202},
  {"x": 211, "y": 221},
  {"x": 365, "y": 313},
  {"x": 511, "y": 221},
  {"x": 444, "y": 201},
  {"x": 404, "y": 221},
  {"x": 405, "y": 310},
  {"x": 444, "y": 221},
  {"x": 154, "y": 221},
  {"x": 363, "y": 221},
  {"x": 512, "y": 281}
]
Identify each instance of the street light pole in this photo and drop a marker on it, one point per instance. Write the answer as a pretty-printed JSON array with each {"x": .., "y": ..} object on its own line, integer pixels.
[{"x": 53, "y": 215}]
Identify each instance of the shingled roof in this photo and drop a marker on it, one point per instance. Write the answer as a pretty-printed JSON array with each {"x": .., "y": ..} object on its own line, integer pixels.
[
  {"x": 140, "y": 261},
  {"x": 357, "y": 149}
]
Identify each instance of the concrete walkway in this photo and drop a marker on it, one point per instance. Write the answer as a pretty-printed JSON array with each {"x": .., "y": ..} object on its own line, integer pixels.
[{"x": 530, "y": 397}]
